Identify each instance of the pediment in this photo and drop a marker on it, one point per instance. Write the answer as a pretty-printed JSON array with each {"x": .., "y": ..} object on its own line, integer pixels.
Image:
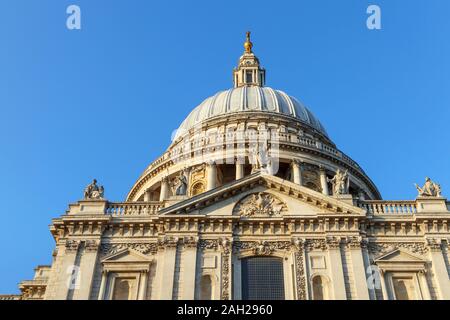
[
  {"x": 306, "y": 200},
  {"x": 399, "y": 255},
  {"x": 126, "y": 255}
]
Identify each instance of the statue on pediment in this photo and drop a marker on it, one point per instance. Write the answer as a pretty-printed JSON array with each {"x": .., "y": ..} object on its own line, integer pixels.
[
  {"x": 260, "y": 204},
  {"x": 429, "y": 189},
  {"x": 340, "y": 182},
  {"x": 93, "y": 191}
]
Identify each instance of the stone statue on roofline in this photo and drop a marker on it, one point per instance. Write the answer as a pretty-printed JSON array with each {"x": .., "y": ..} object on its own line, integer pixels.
[
  {"x": 93, "y": 191},
  {"x": 340, "y": 183},
  {"x": 261, "y": 161},
  {"x": 429, "y": 189}
]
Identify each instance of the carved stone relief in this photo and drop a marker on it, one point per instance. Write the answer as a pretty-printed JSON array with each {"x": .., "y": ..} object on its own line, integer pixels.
[
  {"x": 144, "y": 248},
  {"x": 197, "y": 180},
  {"x": 225, "y": 246},
  {"x": 260, "y": 204},
  {"x": 378, "y": 249},
  {"x": 72, "y": 246}
]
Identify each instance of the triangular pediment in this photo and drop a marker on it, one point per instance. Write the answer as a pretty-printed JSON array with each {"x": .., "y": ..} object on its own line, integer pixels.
[
  {"x": 126, "y": 255},
  {"x": 307, "y": 199},
  {"x": 399, "y": 255}
]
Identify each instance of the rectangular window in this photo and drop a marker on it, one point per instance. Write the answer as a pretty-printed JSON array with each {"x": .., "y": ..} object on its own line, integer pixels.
[
  {"x": 249, "y": 77},
  {"x": 262, "y": 278}
]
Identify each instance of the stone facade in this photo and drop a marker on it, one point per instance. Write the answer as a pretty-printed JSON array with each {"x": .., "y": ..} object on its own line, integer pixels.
[{"x": 210, "y": 207}]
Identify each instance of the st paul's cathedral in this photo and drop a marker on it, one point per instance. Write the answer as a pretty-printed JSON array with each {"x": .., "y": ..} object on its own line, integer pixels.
[{"x": 251, "y": 201}]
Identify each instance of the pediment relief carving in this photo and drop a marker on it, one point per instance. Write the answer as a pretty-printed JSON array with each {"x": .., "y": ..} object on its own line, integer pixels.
[
  {"x": 384, "y": 249},
  {"x": 117, "y": 249},
  {"x": 127, "y": 260},
  {"x": 399, "y": 255},
  {"x": 260, "y": 204}
]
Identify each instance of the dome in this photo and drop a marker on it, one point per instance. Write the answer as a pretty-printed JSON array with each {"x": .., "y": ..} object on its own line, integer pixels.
[
  {"x": 250, "y": 99},
  {"x": 215, "y": 145}
]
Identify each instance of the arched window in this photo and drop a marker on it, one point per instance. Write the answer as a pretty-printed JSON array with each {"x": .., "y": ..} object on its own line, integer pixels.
[
  {"x": 197, "y": 188},
  {"x": 206, "y": 288},
  {"x": 320, "y": 290}
]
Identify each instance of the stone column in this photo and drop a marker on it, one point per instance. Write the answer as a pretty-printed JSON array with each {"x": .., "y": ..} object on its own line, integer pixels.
[
  {"x": 188, "y": 172},
  {"x": 439, "y": 270},
  {"x": 101, "y": 292},
  {"x": 239, "y": 168},
  {"x": 297, "y": 172},
  {"x": 164, "y": 189},
  {"x": 190, "y": 267},
  {"x": 211, "y": 173},
  {"x": 143, "y": 285},
  {"x": 323, "y": 181},
  {"x": 147, "y": 195},
  {"x": 337, "y": 271}
]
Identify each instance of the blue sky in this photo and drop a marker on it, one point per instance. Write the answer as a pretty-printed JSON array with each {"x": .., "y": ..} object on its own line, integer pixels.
[{"x": 102, "y": 101}]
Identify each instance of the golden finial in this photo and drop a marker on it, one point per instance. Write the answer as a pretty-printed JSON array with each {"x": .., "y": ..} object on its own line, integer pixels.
[{"x": 248, "y": 44}]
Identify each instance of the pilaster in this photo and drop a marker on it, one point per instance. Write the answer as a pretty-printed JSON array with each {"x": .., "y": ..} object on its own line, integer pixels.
[
  {"x": 439, "y": 268},
  {"x": 359, "y": 271},
  {"x": 167, "y": 269},
  {"x": 190, "y": 267},
  {"x": 337, "y": 271}
]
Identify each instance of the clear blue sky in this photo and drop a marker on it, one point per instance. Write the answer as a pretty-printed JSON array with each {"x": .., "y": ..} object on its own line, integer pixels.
[{"x": 102, "y": 102}]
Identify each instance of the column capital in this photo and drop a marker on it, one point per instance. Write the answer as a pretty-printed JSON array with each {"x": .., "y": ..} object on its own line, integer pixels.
[
  {"x": 434, "y": 244},
  {"x": 211, "y": 163},
  {"x": 72, "y": 246},
  {"x": 91, "y": 245},
  {"x": 333, "y": 242}
]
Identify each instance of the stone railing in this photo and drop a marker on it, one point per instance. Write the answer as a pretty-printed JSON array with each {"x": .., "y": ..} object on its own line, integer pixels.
[
  {"x": 178, "y": 152},
  {"x": 10, "y": 296},
  {"x": 119, "y": 209},
  {"x": 34, "y": 282},
  {"x": 379, "y": 207}
]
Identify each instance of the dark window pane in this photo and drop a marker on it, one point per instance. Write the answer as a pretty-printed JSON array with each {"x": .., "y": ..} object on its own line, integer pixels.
[
  {"x": 249, "y": 77},
  {"x": 262, "y": 278}
]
